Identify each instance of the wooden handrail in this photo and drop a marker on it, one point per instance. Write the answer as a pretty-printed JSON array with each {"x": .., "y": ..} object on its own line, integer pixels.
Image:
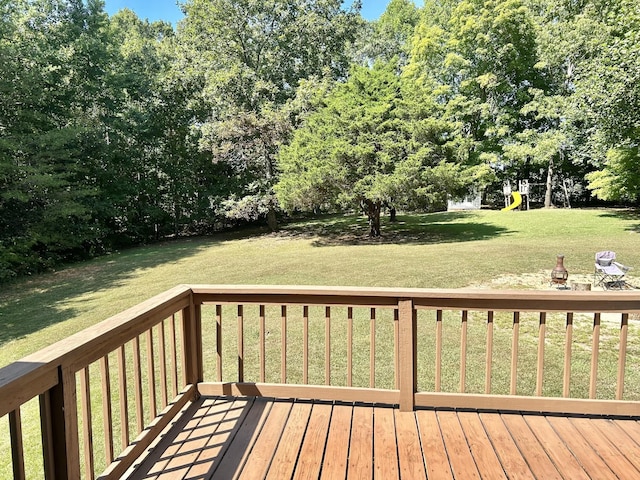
[{"x": 161, "y": 343}]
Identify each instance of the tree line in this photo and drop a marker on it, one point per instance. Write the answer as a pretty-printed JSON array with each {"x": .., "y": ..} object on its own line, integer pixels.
[{"x": 115, "y": 131}]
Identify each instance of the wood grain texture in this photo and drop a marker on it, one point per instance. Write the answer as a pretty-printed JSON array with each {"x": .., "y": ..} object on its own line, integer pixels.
[
  {"x": 410, "y": 456},
  {"x": 385, "y": 450}
]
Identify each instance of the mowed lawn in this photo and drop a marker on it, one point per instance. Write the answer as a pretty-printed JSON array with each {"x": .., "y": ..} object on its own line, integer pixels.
[
  {"x": 440, "y": 250},
  {"x": 488, "y": 249}
]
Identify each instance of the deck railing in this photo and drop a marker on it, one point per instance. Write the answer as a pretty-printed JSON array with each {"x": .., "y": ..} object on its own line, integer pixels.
[{"x": 105, "y": 394}]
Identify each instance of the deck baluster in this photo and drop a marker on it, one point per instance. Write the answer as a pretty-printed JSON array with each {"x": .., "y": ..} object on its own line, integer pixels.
[
  {"x": 87, "y": 425},
  {"x": 305, "y": 345},
  {"x": 327, "y": 346},
  {"x": 438, "y": 366},
  {"x": 124, "y": 403},
  {"x": 137, "y": 380},
  {"x": 489, "y": 354},
  {"x": 372, "y": 349},
  {"x": 219, "y": 342},
  {"x": 164, "y": 393},
  {"x": 283, "y": 344},
  {"x": 262, "y": 343},
  {"x": 396, "y": 349},
  {"x": 17, "y": 448},
  {"x": 174, "y": 356},
  {"x": 107, "y": 416},
  {"x": 349, "y": 346},
  {"x": 568, "y": 342},
  {"x": 240, "y": 343},
  {"x": 595, "y": 349},
  {"x": 622, "y": 355},
  {"x": 541, "y": 340},
  {"x": 515, "y": 342},
  {"x": 151, "y": 376},
  {"x": 407, "y": 347},
  {"x": 463, "y": 350}
]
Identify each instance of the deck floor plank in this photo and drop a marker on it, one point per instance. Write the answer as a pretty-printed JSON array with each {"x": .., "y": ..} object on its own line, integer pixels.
[
  {"x": 460, "y": 458},
  {"x": 242, "y": 443},
  {"x": 165, "y": 452},
  {"x": 187, "y": 455},
  {"x": 385, "y": 449},
  {"x": 267, "y": 442},
  {"x": 534, "y": 453},
  {"x": 215, "y": 447},
  {"x": 231, "y": 438},
  {"x": 631, "y": 428},
  {"x": 360, "y": 463},
  {"x": 313, "y": 446},
  {"x": 609, "y": 452},
  {"x": 618, "y": 436},
  {"x": 510, "y": 457},
  {"x": 433, "y": 449},
  {"x": 482, "y": 450},
  {"x": 586, "y": 455},
  {"x": 337, "y": 449},
  {"x": 284, "y": 460},
  {"x": 409, "y": 452},
  {"x": 555, "y": 447}
]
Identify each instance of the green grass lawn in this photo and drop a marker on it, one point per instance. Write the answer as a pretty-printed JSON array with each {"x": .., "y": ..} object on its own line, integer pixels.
[{"x": 442, "y": 250}]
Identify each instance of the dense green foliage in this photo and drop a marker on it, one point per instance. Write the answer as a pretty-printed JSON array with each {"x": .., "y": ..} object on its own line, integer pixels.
[{"x": 116, "y": 131}]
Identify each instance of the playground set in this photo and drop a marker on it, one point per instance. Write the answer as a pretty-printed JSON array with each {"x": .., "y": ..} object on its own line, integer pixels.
[{"x": 519, "y": 196}]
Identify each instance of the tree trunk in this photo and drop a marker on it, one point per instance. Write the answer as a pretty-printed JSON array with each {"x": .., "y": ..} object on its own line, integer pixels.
[
  {"x": 272, "y": 220},
  {"x": 373, "y": 213},
  {"x": 392, "y": 214},
  {"x": 547, "y": 193}
]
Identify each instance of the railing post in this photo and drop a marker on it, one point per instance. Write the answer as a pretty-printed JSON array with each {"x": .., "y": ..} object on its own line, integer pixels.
[
  {"x": 407, "y": 346},
  {"x": 59, "y": 419},
  {"x": 192, "y": 343}
]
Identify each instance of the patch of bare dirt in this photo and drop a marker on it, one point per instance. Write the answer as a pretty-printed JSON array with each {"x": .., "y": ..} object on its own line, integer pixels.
[{"x": 534, "y": 281}]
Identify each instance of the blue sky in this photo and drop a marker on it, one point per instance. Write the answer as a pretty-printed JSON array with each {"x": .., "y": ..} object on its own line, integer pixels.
[{"x": 169, "y": 11}]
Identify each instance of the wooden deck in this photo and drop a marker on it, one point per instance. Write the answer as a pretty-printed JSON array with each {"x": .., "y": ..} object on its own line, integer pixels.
[{"x": 224, "y": 438}]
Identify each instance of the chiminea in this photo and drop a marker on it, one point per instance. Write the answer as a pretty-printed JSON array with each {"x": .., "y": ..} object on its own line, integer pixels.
[{"x": 559, "y": 274}]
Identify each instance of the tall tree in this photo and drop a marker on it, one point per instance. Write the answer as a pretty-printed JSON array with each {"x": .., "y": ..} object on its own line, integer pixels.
[
  {"x": 252, "y": 55},
  {"x": 358, "y": 151},
  {"x": 53, "y": 78},
  {"x": 389, "y": 36},
  {"x": 609, "y": 91}
]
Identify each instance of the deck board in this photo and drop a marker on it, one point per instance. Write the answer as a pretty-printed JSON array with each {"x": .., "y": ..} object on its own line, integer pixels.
[
  {"x": 230, "y": 438},
  {"x": 460, "y": 458},
  {"x": 433, "y": 449},
  {"x": 609, "y": 453},
  {"x": 310, "y": 462},
  {"x": 557, "y": 450},
  {"x": 530, "y": 447},
  {"x": 284, "y": 460},
  {"x": 337, "y": 449},
  {"x": 410, "y": 456},
  {"x": 618, "y": 436},
  {"x": 510, "y": 457},
  {"x": 385, "y": 449},
  {"x": 581, "y": 448},
  {"x": 360, "y": 463},
  {"x": 481, "y": 448},
  {"x": 266, "y": 444}
]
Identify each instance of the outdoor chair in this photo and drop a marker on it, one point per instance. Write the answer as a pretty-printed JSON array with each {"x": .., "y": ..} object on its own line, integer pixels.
[{"x": 608, "y": 273}]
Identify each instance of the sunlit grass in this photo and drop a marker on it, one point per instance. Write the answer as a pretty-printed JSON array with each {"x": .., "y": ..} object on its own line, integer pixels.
[{"x": 442, "y": 250}]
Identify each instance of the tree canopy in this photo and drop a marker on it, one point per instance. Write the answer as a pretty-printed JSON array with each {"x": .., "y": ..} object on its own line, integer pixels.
[{"x": 117, "y": 131}]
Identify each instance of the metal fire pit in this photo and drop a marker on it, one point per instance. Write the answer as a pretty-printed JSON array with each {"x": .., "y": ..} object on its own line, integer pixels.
[{"x": 559, "y": 274}]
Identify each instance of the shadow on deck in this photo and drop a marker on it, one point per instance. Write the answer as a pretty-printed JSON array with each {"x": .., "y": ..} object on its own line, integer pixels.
[{"x": 228, "y": 437}]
